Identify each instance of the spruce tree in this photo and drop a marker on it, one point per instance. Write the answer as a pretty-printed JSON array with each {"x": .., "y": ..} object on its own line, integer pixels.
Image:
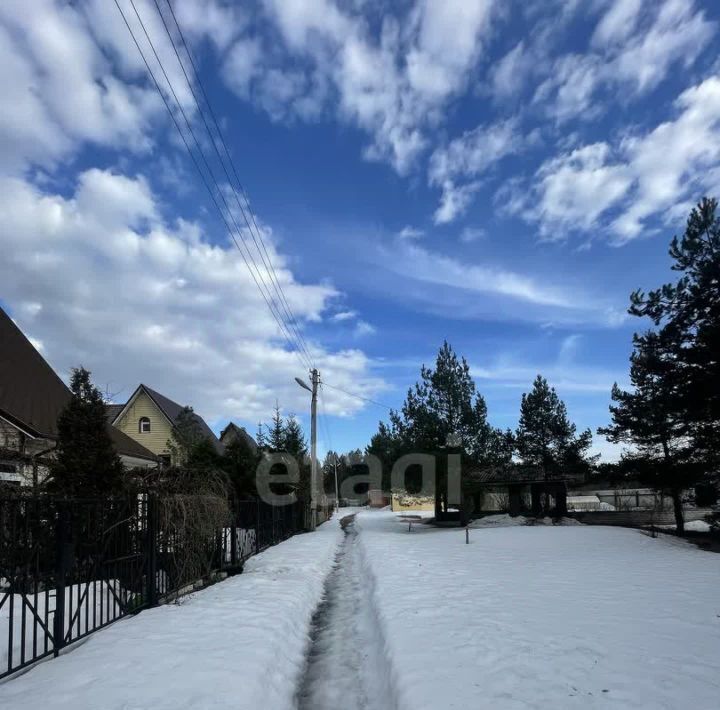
[
  {"x": 276, "y": 432},
  {"x": 86, "y": 463}
]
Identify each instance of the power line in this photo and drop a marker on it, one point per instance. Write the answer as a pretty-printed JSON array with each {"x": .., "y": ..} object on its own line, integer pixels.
[
  {"x": 358, "y": 396},
  {"x": 212, "y": 176},
  {"x": 264, "y": 255},
  {"x": 286, "y": 333}
]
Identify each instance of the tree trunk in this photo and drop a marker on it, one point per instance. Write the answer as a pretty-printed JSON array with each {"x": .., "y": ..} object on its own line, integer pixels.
[{"x": 678, "y": 510}]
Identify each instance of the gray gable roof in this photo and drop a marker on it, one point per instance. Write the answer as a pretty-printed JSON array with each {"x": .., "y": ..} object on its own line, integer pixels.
[{"x": 172, "y": 411}]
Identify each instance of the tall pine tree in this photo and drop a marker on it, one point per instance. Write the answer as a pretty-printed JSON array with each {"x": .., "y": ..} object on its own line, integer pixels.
[
  {"x": 443, "y": 412},
  {"x": 651, "y": 419},
  {"x": 688, "y": 311}
]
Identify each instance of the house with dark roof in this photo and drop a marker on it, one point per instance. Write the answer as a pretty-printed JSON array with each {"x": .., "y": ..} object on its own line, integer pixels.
[
  {"x": 149, "y": 418},
  {"x": 232, "y": 433},
  {"x": 31, "y": 399}
]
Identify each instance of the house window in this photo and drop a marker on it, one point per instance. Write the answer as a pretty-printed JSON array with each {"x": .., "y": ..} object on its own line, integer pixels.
[{"x": 144, "y": 425}]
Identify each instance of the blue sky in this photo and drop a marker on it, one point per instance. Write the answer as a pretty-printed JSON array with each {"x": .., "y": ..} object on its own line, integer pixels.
[{"x": 500, "y": 175}]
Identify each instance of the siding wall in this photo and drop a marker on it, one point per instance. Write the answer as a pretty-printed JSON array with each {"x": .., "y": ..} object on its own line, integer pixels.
[{"x": 160, "y": 431}]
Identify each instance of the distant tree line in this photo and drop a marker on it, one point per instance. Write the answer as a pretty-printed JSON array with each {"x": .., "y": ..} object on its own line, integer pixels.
[{"x": 443, "y": 414}]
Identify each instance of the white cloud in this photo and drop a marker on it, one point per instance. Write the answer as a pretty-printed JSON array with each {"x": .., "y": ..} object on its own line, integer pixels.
[
  {"x": 408, "y": 232},
  {"x": 658, "y": 173},
  {"x": 363, "y": 328},
  {"x": 70, "y": 74},
  {"x": 617, "y": 23},
  {"x": 671, "y": 162},
  {"x": 103, "y": 281},
  {"x": 634, "y": 45},
  {"x": 575, "y": 189},
  {"x": 472, "y": 234},
  {"x": 429, "y": 267},
  {"x": 448, "y": 44},
  {"x": 343, "y": 316},
  {"x": 390, "y": 78},
  {"x": 454, "y": 200},
  {"x": 467, "y": 157},
  {"x": 509, "y": 75}
]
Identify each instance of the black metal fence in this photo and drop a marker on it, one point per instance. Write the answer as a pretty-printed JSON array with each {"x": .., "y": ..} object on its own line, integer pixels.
[{"x": 71, "y": 567}]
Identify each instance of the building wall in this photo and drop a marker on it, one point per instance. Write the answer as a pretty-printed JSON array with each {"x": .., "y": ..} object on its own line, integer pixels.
[
  {"x": 160, "y": 430},
  {"x": 13, "y": 440}
]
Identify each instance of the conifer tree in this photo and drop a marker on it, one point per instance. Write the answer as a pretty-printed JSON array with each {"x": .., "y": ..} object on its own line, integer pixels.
[
  {"x": 688, "y": 312},
  {"x": 86, "y": 462},
  {"x": 651, "y": 419},
  {"x": 546, "y": 438}
]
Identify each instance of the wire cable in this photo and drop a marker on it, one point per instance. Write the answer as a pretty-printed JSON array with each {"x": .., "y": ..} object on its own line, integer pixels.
[
  {"x": 358, "y": 396},
  {"x": 244, "y": 211},
  {"x": 283, "y": 329}
]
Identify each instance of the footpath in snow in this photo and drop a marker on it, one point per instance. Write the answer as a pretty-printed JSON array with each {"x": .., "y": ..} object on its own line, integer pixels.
[
  {"x": 346, "y": 665},
  {"x": 239, "y": 644},
  {"x": 544, "y": 617}
]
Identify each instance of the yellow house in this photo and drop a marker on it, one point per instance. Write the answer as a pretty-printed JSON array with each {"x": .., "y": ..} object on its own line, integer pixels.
[{"x": 148, "y": 417}]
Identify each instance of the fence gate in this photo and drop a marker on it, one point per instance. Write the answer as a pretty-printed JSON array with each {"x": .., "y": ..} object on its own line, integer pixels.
[{"x": 66, "y": 570}]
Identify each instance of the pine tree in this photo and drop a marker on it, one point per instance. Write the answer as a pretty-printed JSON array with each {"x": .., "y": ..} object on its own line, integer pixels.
[
  {"x": 651, "y": 418},
  {"x": 546, "y": 438},
  {"x": 443, "y": 413},
  {"x": 689, "y": 314},
  {"x": 86, "y": 462}
]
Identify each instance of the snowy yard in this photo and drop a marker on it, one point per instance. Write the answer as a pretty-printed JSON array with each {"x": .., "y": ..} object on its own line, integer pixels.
[
  {"x": 380, "y": 618},
  {"x": 544, "y": 617},
  {"x": 239, "y": 644}
]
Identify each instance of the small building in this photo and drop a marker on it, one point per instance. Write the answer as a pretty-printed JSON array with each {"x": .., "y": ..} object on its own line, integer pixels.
[
  {"x": 515, "y": 491},
  {"x": 32, "y": 396},
  {"x": 149, "y": 418}
]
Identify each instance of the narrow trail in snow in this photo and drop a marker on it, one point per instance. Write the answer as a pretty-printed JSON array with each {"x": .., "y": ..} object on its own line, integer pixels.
[{"x": 346, "y": 662}]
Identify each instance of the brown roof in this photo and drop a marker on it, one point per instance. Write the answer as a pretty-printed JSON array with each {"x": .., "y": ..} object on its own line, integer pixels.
[
  {"x": 233, "y": 432},
  {"x": 32, "y": 395}
]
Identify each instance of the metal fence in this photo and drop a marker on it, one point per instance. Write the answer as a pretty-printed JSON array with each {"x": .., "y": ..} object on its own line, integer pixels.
[{"x": 71, "y": 567}]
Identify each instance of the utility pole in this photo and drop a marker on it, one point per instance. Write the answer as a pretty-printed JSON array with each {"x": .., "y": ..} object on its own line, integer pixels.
[
  {"x": 337, "y": 490},
  {"x": 315, "y": 380}
]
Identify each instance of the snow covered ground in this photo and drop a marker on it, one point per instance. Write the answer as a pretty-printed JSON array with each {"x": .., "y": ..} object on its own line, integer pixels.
[
  {"x": 239, "y": 644},
  {"x": 543, "y": 617},
  {"x": 524, "y": 616}
]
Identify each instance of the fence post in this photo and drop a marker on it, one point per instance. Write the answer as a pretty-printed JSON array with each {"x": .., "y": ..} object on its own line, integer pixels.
[
  {"x": 233, "y": 542},
  {"x": 257, "y": 527},
  {"x": 63, "y": 563},
  {"x": 151, "y": 552}
]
